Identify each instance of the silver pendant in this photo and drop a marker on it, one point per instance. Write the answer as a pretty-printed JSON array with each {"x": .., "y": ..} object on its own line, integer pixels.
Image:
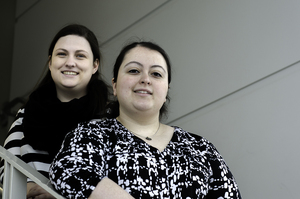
[{"x": 147, "y": 138}]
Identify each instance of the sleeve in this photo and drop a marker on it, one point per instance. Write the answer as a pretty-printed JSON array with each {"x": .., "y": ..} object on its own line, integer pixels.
[
  {"x": 222, "y": 183},
  {"x": 14, "y": 143},
  {"x": 80, "y": 164}
]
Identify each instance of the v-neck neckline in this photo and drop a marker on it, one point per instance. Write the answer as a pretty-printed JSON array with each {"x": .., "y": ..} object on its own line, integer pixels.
[{"x": 135, "y": 137}]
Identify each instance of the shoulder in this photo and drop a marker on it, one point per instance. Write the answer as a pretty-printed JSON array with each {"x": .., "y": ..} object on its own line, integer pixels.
[
  {"x": 16, "y": 129},
  {"x": 97, "y": 124},
  {"x": 195, "y": 141},
  {"x": 93, "y": 129},
  {"x": 188, "y": 136},
  {"x": 97, "y": 134},
  {"x": 20, "y": 112},
  {"x": 19, "y": 117}
]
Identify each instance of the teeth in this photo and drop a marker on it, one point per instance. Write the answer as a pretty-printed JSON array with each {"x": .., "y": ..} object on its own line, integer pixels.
[
  {"x": 145, "y": 92},
  {"x": 69, "y": 73}
]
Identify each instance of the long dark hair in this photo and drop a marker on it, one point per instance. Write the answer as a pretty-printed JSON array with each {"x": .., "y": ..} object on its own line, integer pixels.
[
  {"x": 113, "y": 110},
  {"x": 97, "y": 87}
]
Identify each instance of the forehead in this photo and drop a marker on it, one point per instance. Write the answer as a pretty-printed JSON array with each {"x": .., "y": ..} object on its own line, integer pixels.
[
  {"x": 145, "y": 56},
  {"x": 73, "y": 41}
]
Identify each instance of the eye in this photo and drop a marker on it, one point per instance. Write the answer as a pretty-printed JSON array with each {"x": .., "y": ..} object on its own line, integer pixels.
[
  {"x": 61, "y": 54},
  {"x": 133, "y": 71},
  {"x": 156, "y": 74},
  {"x": 80, "y": 56}
]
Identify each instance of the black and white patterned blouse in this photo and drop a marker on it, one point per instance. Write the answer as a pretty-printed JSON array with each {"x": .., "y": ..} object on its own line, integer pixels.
[{"x": 189, "y": 167}]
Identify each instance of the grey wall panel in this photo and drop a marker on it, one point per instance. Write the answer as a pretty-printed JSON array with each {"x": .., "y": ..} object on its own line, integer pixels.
[
  {"x": 257, "y": 132},
  {"x": 223, "y": 54}
]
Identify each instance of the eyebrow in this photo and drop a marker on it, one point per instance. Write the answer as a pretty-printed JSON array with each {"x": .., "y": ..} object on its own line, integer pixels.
[
  {"x": 138, "y": 63},
  {"x": 68, "y": 51}
]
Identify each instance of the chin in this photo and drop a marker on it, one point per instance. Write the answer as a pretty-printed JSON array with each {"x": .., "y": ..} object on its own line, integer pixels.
[
  {"x": 143, "y": 108},
  {"x": 69, "y": 86}
]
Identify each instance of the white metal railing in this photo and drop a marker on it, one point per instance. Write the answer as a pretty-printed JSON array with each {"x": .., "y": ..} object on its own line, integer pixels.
[{"x": 16, "y": 173}]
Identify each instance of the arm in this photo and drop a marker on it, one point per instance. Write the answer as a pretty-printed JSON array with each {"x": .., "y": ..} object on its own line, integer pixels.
[
  {"x": 222, "y": 183},
  {"x": 14, "y": 143},
  {"x": 81, "y": 163}
]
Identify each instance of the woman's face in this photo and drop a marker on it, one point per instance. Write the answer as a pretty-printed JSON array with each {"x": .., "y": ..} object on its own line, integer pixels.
[
  {"x": 72, "y": 65},
  {"x": 142, "y": 83}
]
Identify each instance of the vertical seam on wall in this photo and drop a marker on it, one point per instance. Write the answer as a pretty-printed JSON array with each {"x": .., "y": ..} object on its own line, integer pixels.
[
  {"x": 134, "y": 23},
  {"x": 234, "y": 92}
]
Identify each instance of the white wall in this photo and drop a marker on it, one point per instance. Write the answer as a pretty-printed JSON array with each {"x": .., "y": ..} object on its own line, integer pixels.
[{"x": 234, "y": 78}]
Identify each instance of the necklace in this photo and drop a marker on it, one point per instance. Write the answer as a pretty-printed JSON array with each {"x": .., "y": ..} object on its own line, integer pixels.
[{"x": 147, "y": 138}]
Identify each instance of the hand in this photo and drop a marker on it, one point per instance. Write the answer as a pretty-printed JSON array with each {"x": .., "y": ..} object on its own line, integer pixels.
[
  {"x": 107, "y": 189},
  {"x": 34, "y": 191}
]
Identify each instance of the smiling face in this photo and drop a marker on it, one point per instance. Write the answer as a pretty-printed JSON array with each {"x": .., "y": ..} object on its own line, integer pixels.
[
  {"x": 72, "y": 66},
  {"x": 142, "y": 82}
]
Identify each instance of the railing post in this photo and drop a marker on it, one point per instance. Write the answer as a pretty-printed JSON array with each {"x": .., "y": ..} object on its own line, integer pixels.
[
  {"x": 14, "y": 183},
  {"x": 16, "y": 173},
  {"x": 6, "y": 179}
]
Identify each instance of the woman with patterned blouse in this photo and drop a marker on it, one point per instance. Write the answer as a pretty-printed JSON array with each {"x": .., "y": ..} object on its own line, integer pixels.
[{"x": 134, "y": 155}]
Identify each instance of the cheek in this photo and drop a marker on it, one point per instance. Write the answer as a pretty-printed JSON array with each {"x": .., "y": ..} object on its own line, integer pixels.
[
  {"x": 123, "y": 92},
  {"x": 118, "y": 89},
  {"x": 164, "y": 93},
  {"x": 164, "y": 89},
  {"x": 54, "y": 65}
]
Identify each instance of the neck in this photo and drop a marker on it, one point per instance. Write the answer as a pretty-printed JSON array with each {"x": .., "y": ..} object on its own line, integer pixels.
[
  {"x": 142, "y": 117},
  {"x": 143, "y": 127},
  {"x": 66, "y": 96}
]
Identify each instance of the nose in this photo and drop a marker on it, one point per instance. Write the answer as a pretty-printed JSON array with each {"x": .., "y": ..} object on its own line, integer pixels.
[
  {"x": 70, "y": 62},
  {"x": 145, "y": 79}
]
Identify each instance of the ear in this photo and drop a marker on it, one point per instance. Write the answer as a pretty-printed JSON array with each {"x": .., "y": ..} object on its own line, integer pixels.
[
  {"x": 96, "y": 66},
  {"x": 167, "y": 93},
  {"x": 114, "y": 85},
  {"x": 49, "y": 62}
]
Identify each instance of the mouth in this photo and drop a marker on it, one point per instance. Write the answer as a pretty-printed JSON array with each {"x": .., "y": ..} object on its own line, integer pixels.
[
  {"x": 69, "y": 73},
  {"x": 143, "y": 92}
]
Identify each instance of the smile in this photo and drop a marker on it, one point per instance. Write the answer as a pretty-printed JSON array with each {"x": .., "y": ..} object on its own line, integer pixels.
[
  {"x": 143, "y": 92},
  {"x": 69, "y": 73}
]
